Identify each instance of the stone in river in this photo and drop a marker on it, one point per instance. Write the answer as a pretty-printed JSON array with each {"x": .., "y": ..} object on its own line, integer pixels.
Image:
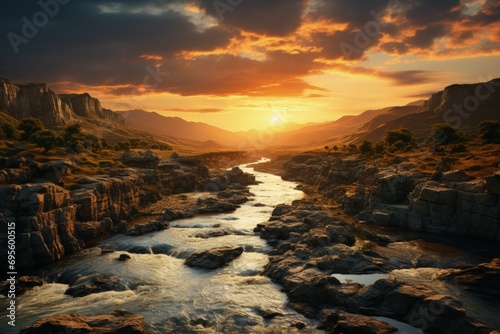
[{"x": 213, "y": 258}]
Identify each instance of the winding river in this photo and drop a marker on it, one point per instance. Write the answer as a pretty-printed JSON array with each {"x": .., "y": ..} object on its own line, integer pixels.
[
  {"x": 175, "y": 298},
  {"x": 171, "y": 295}
]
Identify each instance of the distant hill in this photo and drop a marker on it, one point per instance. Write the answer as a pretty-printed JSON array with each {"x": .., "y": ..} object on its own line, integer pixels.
[{"x": 178, "y": 127}]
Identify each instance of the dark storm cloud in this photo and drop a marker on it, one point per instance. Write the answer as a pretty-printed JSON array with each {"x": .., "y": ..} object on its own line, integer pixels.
[
  {"x": 424, "y": 38},
  {"x": 84, "y": 44},
  {"x": 354, "y": 12},
  {"x": 226, "y": 75},
  {"x": 273, "y": 18},
  {"x": 414, "y": 77},
  {"x": 425, "y": 12},
  {"x": 488, "y": 14}
]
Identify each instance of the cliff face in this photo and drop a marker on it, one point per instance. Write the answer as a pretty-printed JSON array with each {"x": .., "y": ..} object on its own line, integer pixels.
[
  {"x": 470, "y": 97},
  {"x": 45, "y": 222},
  {"x": 37, "y": 100},
  {"x": 86, "y": 106},
  {"x": 457, "y": 205},
  {"x": 34, "y": 100}
]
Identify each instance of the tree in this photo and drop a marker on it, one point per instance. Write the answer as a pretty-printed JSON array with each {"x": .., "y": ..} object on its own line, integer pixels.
[
  {"x": 73, "y": 136},
  {"x": 366, "y": 147},
  {"x": 403, "y": 134},
  {"x": 29, "y": 126},
  {"x": 490, "y": 131},
  {"x": 46, "y": 139},
  {"x": 327, "y": 148},
  {"x": 444, "y": 134},
  {"x": 8, "y": 131},
  {"x": 379, "y": 147},
  {"x": 335, "y": 148}
]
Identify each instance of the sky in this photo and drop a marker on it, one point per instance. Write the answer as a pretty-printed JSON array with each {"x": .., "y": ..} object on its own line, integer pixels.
[{"x": 242, "y": 64}]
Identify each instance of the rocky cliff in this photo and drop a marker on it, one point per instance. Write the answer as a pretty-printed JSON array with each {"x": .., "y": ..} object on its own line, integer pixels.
[
  {"x": 468, "y": 96},
  {"x": 52, "y": 222},
  {"x": 44, "y": 217},
  {"x": 39, "y": 101},
  {"x": 34, "y": 100},
  {"x": 396, "y": 195},
  {"x": 86, "y": 106}
]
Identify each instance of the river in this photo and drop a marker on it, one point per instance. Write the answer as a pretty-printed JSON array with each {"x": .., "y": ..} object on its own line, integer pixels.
[
  {"x": 169, "y": 294},
  {"x": 174, "y": 298}
]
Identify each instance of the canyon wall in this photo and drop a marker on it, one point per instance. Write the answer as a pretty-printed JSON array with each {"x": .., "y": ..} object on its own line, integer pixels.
[{"x": 396, "y": 195}]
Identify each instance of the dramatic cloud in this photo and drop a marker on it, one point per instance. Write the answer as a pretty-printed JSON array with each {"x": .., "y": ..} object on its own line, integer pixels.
[
  {"x": 273, "y": 18},
  {"x": 221, "y": 48}
]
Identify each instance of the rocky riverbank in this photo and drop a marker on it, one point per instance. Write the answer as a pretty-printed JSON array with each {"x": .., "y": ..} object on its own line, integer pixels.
[
  {"x": 53, "y": 220},
  {"x": 448, "y": 201},
  {"x": 311, "y": 246}
]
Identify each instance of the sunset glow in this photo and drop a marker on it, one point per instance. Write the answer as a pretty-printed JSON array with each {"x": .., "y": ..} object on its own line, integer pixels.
[{"x": 233, "y": 68}]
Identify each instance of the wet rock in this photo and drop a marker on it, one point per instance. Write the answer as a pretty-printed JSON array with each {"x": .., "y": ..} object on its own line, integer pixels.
[
  {"x": 482, "y": 279},
  {"x": 152, "y": 226},
  {"x": 344, "y": 323},
  {"x": 123, "y": 257},
  {"x": 212, "y": 234},
  {"x": 214, "y": 205},
  {"x": 310, "y": 286},
  {"x": 97, "y": 284},
  {"x": 236, "y": 175},
  {"x": 107, "y": 250},
  {"x": 22, "y": 285},
  {"x": 213, "y": 258},
  {"x": 269, "y": 314},
  {"x": 116, "y": 322},
  {"x": 140, "y": 159}
]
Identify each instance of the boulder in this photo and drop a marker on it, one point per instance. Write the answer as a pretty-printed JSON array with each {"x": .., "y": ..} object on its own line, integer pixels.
[
  {"x": 54, "y": 171},
  {"x": 152, "y": 226},
  {"x": 456, "y": 176},
  {"x": 345, "y": 323},
  {"x": 23, "y": 284},
  {"x": 493, "y": 184},
  {"x": 213, "y": 258},
  {"x": 116, "y": 322},
  {"x": 96, "y": 284},
  {"x": 482, "y": 279},
  {"x": 140, "y": 159}
]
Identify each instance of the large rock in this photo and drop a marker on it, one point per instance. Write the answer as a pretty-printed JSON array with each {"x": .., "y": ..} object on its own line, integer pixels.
[
  {"x": 140, "y": 159},
  {"x": 213, "y": 258},
  {"x": 44, "y": 217},
  {"x": 345, "y": 323},
  {"x": 483, "y": 278},
  {"x": 54, "y": 171},
  {"x": 95, "y": 284},
  {"x": 22, "y": 285},
  {"x": 116, "y": 322}
]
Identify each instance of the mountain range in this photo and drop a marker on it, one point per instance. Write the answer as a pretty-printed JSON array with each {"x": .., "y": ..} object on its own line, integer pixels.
[{"x": 463, "y": 106}]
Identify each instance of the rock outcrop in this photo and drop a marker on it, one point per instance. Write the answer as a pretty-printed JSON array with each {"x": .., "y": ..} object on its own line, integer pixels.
[
  {"x": 38, "y": 101},
  {"x": 140, "y": 159},
  {"x": 35, "y": 100},
  {"x": 116, "y": 322},
  {"x": 455, "y": 203},
  {"x": 44, "y": 217},
  {"x": 86, "y": 106}
]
